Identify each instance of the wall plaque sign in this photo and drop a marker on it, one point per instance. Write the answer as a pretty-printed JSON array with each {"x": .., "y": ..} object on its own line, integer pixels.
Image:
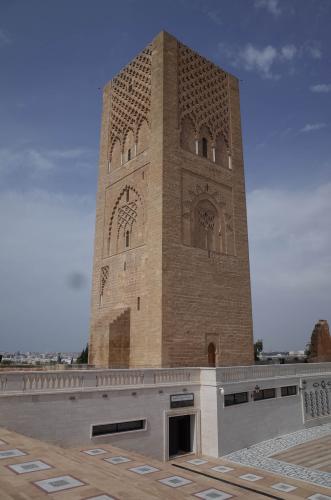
[{"x": 181, "y": 400}]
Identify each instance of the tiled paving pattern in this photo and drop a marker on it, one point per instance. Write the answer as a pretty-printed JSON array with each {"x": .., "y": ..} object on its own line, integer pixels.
[
  {"x": 144, "y": 469},
  {"x": 319, "y": 497},
  {"x": 313, "y": 454},
  {"x": 222, "y": 468},
  {"x": 251, "y": 477},
  {"x": 213, "y": 494},
  {"x": 283, "y": 487},
  {"x": 101, "y": 497},
  {"x": 95, "y": 451},
  {"x": 26, "y": 467},
  {"x": 197, "y": 461},
  {"x": 117, "y": 460},
  {"x": 60, "y": 483},
  {"x": 175, "y": 481},
  {"x": 260, "y": 455},
  {"x": 76, "y": 475},
  {"x": 11, "y": 453}
]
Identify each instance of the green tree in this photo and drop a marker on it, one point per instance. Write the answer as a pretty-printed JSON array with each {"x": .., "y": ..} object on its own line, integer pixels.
[
  {"x": 258, "y": 348},
  {"x": 83, "y": 357}
]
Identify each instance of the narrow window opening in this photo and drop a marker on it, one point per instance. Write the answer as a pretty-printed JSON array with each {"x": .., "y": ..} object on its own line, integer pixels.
[
  {"x": 138, "y": 303},
  {"x": 211, "y": 354},
  {"x": 129, "y": 154},
  {"x": 236, "y": 398},
  {"x": 204, "y": 147},
  {"x": 127, "y": 195},
  {"x": 124, "y": 266},
  {"x": 114, "y": 428},
  {"x": 143, "y": 175},
  {"x": 289, "y": 390},
  {"x": 127, "y": 239}
]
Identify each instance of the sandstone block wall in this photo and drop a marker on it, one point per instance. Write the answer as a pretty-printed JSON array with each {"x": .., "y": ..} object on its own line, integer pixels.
[{"x": 171, "y": 231}]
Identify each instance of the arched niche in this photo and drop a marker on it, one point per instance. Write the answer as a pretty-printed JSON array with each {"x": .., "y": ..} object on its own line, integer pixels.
[
  {"x": 206, "y": 226},
  {"x": 205, "y": 143},
  {"x": 187, "y": 135},
  {"x": 126, "y": 228},
  {"x": 221, "y": 151},
  {"x": 143, "y": 137},
  {"x": 115, "y": 155},
  {"x": 129, "y": 147}
]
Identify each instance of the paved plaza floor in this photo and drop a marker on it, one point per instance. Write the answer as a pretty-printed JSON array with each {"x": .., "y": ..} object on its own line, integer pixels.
[{"x": 31, "y": 469}]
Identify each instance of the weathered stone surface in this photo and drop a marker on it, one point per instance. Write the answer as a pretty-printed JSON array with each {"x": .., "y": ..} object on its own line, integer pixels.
[
  {"x": 320, "y": 344},
  {"x": 171, "y": 248}
]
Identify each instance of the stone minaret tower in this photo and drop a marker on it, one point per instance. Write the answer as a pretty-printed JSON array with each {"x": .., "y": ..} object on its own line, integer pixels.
[{"x": 171, "y": 282}]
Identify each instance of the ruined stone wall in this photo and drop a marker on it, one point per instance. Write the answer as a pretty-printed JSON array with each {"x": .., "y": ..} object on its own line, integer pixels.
[{"x": 320, "y": 344}]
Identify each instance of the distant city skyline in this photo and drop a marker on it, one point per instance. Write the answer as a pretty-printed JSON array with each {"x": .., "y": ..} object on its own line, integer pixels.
[{"x": 57, "y": 56}]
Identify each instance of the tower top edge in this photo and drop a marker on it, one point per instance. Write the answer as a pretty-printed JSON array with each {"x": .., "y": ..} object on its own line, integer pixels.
[{"x": 162, "y": 37}]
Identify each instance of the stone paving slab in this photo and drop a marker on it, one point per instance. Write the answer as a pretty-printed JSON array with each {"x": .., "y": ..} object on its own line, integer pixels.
[{"x": 263, "y": 456}]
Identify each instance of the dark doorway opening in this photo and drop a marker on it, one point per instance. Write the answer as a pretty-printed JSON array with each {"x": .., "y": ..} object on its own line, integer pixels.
[
  {"x": 180, "y": 435},
  {"x": 211, "y": 355}
]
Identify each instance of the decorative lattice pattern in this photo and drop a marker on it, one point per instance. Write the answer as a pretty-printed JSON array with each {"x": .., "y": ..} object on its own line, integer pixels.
[
  {"x": 104, "y": 278},
  {"x": 127, "y": 215},
  {"x": 203, "y": 93},
  {"x": 131, "y": 97},
  {"x": 207, "y": 219}
]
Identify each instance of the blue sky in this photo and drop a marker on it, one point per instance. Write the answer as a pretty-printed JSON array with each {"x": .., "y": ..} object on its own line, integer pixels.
[{"x": 56, "y": 56}]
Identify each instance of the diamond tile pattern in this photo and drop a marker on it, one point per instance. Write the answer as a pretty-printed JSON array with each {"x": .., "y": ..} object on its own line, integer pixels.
[
  {"x": 197, "y": 461},
  {"x": 318, "y": 496},
  {"x": 25, "y": 467},
  {"x": 101, "y": 497},
  {"x": 117, "y": 460},
  {"x": 213, "y": 494},
  {"x": 251, "y": 477},
  {"x": 283, "y": 487},
  {"x": 222, "y": 468},
  {"x": 95, "y": 451},
  {"x": 58, "y": 484},
  {"x": 175, "y": 481},
  {"x": 144, "y": 469},
  {"x": 11, "y": 453}
]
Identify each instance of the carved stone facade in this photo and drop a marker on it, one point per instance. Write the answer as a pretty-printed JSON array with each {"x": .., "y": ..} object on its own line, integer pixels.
[
  {"x": 320, "y": 344},
  {"x": 171, "y": 283}
]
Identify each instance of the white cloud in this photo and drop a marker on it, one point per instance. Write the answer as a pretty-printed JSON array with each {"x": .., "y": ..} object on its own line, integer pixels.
[
  {"x": 321, "y": 88},
  {"x": 261, "y": 60},
  {"x": 288, "y": 52},
  {"x": 48, "y": 244},
  {"x": 290, "y": 253},
  {"x": 270, "y": 5},
  {"x": 310, "y": 127},
  {"x": 36, "y": 162},
  {"x": 314, "y": 51},
  {"x": 264, "y": 59},
  {"x": 4, "y": 38}
]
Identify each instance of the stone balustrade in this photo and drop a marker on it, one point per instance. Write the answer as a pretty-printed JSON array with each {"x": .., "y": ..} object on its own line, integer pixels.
[
  {"x": 53, "y": 381},
  {"x": 243, "y": 373},
  {"x": 28, "y": 382}
]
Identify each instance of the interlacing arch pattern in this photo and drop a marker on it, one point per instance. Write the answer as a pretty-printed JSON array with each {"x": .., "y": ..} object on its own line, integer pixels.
[
  {"x": 203, "y": 94},
  {"x": 131, "y": 98},
  {"x": 127, "y": 213},
  {"x": 104, "y": 278}
]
